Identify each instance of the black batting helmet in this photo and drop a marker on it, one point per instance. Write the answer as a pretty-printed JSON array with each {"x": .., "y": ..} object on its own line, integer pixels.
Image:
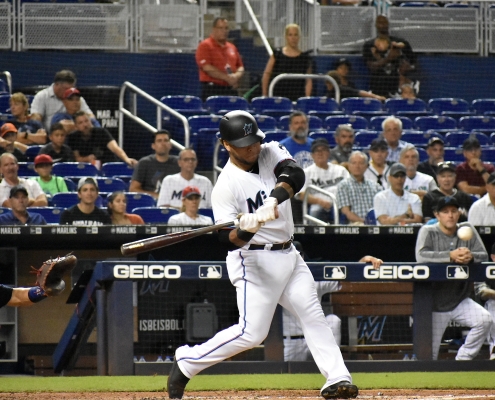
[{"x": 240, "y": 129}]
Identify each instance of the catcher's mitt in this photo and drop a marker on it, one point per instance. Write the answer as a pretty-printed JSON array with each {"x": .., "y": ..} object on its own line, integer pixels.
[{"x": 49, "y": 276}]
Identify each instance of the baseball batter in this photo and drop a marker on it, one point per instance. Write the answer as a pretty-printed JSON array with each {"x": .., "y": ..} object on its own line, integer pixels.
[{"x": 262, "y": 264}]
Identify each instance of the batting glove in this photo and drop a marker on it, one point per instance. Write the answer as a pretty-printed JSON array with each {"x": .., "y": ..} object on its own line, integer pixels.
[
  {"x": 250, "y": 223},
  {"x": 267, "y": 211}
]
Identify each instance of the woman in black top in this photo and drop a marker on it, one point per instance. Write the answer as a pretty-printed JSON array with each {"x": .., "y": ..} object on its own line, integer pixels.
[{"x": 291, "y": 60}]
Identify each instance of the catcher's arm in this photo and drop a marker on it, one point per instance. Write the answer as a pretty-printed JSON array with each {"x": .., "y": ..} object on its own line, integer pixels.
[{"x": 23, "y": 297}]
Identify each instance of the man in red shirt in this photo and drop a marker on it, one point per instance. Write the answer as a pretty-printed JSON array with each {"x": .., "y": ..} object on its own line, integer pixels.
[{"x": 219, "y": 62}]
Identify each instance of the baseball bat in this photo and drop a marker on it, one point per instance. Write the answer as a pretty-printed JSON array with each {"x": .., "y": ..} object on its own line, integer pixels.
[{"x": 157, "y": 242}]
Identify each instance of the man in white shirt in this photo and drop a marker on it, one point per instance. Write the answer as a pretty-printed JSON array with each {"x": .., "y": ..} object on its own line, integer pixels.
[
  {"x": 416, "y": 182},
  {"x": 482, "y": 212},
  {"x": 379, "y": 168},
  {"x": 392, "y": 132},
  {"x": 395, "y": 205},
  {"x": 172, "y": 185},
  {"x": 326, "y": 176}
]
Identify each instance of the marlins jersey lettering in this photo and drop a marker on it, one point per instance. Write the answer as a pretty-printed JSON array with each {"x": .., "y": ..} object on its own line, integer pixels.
[{"x": 238, "y": 191}]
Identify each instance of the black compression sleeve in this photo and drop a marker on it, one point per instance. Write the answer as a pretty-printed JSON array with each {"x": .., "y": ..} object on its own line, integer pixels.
[{"x": 291, "y": 173}]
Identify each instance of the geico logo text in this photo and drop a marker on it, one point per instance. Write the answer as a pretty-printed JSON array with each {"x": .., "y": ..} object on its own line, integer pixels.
[
  {"x": 397, "y": 272},
  {"x": 124, "y": 271}
]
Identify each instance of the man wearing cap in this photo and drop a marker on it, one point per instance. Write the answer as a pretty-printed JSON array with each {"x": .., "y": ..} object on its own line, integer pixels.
[
  {"x": 86, "y": 213},
  {"x": 172, "y": 185},
  {"x": 482, "y": 212},
  {"x": 416, "y": 182},
  {"x": 189, "y": 216},
  {"x": 438, "y": 243},
  {"x": 343, "y": 67},
  {"x": 392, "y": 132},
  {"x": 298, "y": 144},
  {"x": 446, "y": 183},
  {"x": 9, "y": 143},
  {"x": 9, "y": 170},
  {"x": 324, "y": 175},
  {"x": 379, "y": 168},
  {"x": 48, "y": 102},
  {"x": 72, "y": 104},
  {"x": 51, "y": 184},
  {"x": 344, "y": 138},
  {"x": 18, "y": 214},
  {"x": 473, "y": 174},
  {"x": 435, "y": 151},
  {"x": 395, "y": 205}
]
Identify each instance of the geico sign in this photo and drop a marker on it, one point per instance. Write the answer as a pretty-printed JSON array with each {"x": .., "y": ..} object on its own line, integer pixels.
[
  {"x": 490, "y": 272},
  {"x": 123, "y": 271},
  {"x": 397, "y": 272}
]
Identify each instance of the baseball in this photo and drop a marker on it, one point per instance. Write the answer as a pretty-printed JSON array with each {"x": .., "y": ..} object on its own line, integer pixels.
[{"x": 465, "y": 233}]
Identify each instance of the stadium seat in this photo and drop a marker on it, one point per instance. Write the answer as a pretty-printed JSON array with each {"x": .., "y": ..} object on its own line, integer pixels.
[
  {"x": 357, "y": 122},
  {"x": 116, "y": 168},
  {"x": 208, "y": 212},
  {"x": 457, "y": 115},
  {"x": 314, "y": 123},
  {"x": 32, "y": 151},
  {"x": 26, "y": 169},
  {"x": 4, "y": 210},
  {"x": 4, "y": 89},
  {"x": 453, "y": 154},
  {"x": 396, "y": 105},
  {"x": 371, "y": 114},
  {"x": 110, "y": 184},
  {"x": 186, "y": 105},
  {"x": 417, "y": 4},
  {"x": 412, "y": 115},
  {"x": 488, "y": 155},
  {"x": 370, "y": 218},
  {"x": 276, "y": 136},
  {"x": 266, "y": 123},
  {"x": 155, "y": 215},
  {"x": 203, "y": 121},
  {"x": 456, "y": 139},
  {"x": 364, "y": 139},
  {"x": 419, "y": 139},
  {"x": 423, "y": 155},
  {"x": 71, "y": 185},
  {"x": 66, "y": 200},
  {"x": 5, "y": 104},
  {"x": 51, "y": 214},
  {"x": 437, "y": 123},
  {"x": 264, "y": 105},
  {"x": 79, "y": 169},
  {"x": 492, "y": 139},
  {"x": 203, "y": 142},
  {"x": 438, "y": 105},
  {"x": 481, "y": 106},
  {"x": 351, "y": 104},
  {"x": 478, "y": 123},
  {"x": 376, "y": 123},
  {"x": 329, "y": 136},
  {"x": 136, "y": 199},
  {"x": 223, "y": 104},
  {"x": 318, "y": 104}
]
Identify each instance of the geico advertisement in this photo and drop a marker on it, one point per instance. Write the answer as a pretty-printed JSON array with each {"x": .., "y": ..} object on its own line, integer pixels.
[
  {"x": 397, "y": 272},
  {"x": 490, "y": 272},
  {"x": 124, "y": 271}
]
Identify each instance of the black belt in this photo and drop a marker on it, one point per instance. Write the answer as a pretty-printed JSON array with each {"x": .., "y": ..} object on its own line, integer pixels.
[
  {"x": 294, "y": 337},
  {"x": 276, "y": 246}
]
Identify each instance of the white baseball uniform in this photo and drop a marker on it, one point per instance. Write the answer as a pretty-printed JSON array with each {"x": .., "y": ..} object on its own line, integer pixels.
[
  {"x": 171, "y": 190},
  {"x": 420, "y": 182},
  {"x": 183, "y": 219},
  {"x": 264, "y": 278}
]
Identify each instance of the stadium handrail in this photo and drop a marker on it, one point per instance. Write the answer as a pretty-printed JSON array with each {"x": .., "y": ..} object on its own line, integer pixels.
[
  {"x": 305, "y": 76},
  {"x": 317, "y": 221}
]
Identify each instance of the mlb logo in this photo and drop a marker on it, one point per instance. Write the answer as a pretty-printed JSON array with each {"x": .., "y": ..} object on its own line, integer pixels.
[
  {"x": 457, "y": 272},
  {"x": 335, "y": 272},
  {"x": 210, "y": 271}
]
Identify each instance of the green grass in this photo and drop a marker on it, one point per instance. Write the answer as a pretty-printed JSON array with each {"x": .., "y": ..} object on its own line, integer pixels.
[{"x": 414, "y": 380}]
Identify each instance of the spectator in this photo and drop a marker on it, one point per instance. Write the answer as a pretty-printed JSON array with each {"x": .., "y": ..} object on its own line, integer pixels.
[
  {"x": 343, "y": 67},
  {"x": 416, "y": 182},
  {"x": 57, "y": 149},
  {"x": 48, "y": 102},
  {"x": 86, "y": 213},
  {"x": 91, "y": 144},
  {"x": 298, "y": 144},
  {"x": 390, "y": 60},
  {"x": 9, "y": 143},
  {"x": 446, "y": 183},
  {"x": 51, "y": 184},
  {"x": 72, "y": 104},
  {"x": 355, "y": 194},
  {"x": 290, "y": 59},
  {"x": 150, "y": 170},
  {"x": 19, "y": 215},
  {"x": 347, "y": 91},
  {"x": 472, "y": 174},
  {"x": 435, "y": 151},
  {"x": 438, "y": 243},
  {"x": 394, "y": 205},
  {"x": 379, "y": 168},
  {"x": 32, "y": 130},
  {"x": 9, "y": 170},
  {"x": 326, "y": 176},
  {"x": 172, "y": 185},
  {"x": 407, "y": 91},
  {"x": 392, "y": 132},
  {"x": 482, "y": 212},
  {"x": 117, "y": 207},
  {"x": 191, "y": 198},
  {"x": 344, "y": 137},
  {"x": 220, "y": 64}
]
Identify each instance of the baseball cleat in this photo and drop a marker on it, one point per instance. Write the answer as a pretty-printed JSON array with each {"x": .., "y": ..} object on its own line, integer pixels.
[
  {"x": 176, "y": 382},
  {"x": 340, "y": 390}
]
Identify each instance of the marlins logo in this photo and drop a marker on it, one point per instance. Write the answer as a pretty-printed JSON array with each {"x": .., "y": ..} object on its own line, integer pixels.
[{"x": 248, "y": 129}]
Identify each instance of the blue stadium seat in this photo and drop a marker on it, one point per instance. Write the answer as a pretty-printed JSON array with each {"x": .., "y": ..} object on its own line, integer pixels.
[
  {"x": 276, "y": 136},
  {"x": 203, "y": 142},
  {"x": 74, "y": 169},
  {"x": 66, "y": 200},
  {"x": 186, "y": 105},
  {"x": 26, "y": 169},
  {"x": 492, "y": 139},
  {"x": 71, "y": 185},
  {"x": 419, "y": 139},
  {"x": 370, "y": 218},
  {"x": 351, "y": 104},
  {"x": 136, "y": 199},
  {"x": 456, "y": 139},
  {"x": 364, "y": 139},
  {"x": 109, "y": 184},
  {"x": 264, "y": 105},
  {"x": 478, "y": 123},
  {"x": 4, "y": 89},
  {"x": 116, "y": 168},
  {"x": 266, "y": 123},
  {"x": 412, "y": 115},
  {"x": 376, "y": 123},
  {"x": 155, "y": 215},
  {"x": 488, "y": 155},
  {"x": 423, "y": 155},
  {"x": 481, "y": 106},
  {"x": 203, "y": 121},
  {"x": 329, "y": 136},
  {"x": 51, "y": 214},
  {"x": 396, "y": 105},
  {"x": 437, "y": 123},
  {"x": 5, "y": 104},
  {"x": 453, "y": 154},
  {"x": 208, "y": 212},
  {"x": 323, "y": 104},
  {"x": 357, "y": 122},
  {"x": 223, "y": 104},
  {"x": 438, "y": 105},
  {"x": 4, "y": 210},
  {"x": 457, "y": 115},
  {"x": 314, "y": 123},
  {"x": 32, "y": 151},
  {"x": 371, "y": 114},
  {"x": 417, "y": 4}
]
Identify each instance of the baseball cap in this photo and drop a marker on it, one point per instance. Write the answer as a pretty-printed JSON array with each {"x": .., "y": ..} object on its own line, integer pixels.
[
  {"x": 397, "y": 168},
  {"x": 491, "y": 178},
  {"x": 445, "y": 166},
  {"x": 321, "y": 142},
  {"x": 43, "y": 159},
  {"x": 471, "y": 143},
  {"x": 433, "y": 141},
  {"x": 16, "y": 189},
  {"x": 378, "y": 144},
  {"x": 86, "y": 179},
  {"x": 7, "y": 128},
  {"x": 341, "y": 61},
  {"x": 446, "y": 201},
  {"x": 190, "y": 191},
  {"x": 71, "y": 92}
]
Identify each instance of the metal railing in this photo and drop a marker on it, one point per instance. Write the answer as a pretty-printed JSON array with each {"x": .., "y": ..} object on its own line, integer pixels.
[
  {"x": 305, "y": 76},
  {"x": 335, "y": 208}
]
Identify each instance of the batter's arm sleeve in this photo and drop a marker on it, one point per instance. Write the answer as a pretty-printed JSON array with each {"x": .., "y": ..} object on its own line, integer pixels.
[
  {"x": 425, "y": 250},
  {"x": 290, "y": 180}
]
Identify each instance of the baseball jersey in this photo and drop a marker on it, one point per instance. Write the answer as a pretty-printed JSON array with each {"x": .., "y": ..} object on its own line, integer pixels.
[
  {"x": 326, "y": 179},
  {"x": 171, "y": 190},
  {"x": 388, "y": 203},
  {"x": 183, "y": 219},
  {"x": 301, "y": 153},
  {"x": 238, "y": 191},
  {"x": 74, "y": 216},
  {"x": 420, "y": 182},
  {"x": 33, "y": 188}
]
